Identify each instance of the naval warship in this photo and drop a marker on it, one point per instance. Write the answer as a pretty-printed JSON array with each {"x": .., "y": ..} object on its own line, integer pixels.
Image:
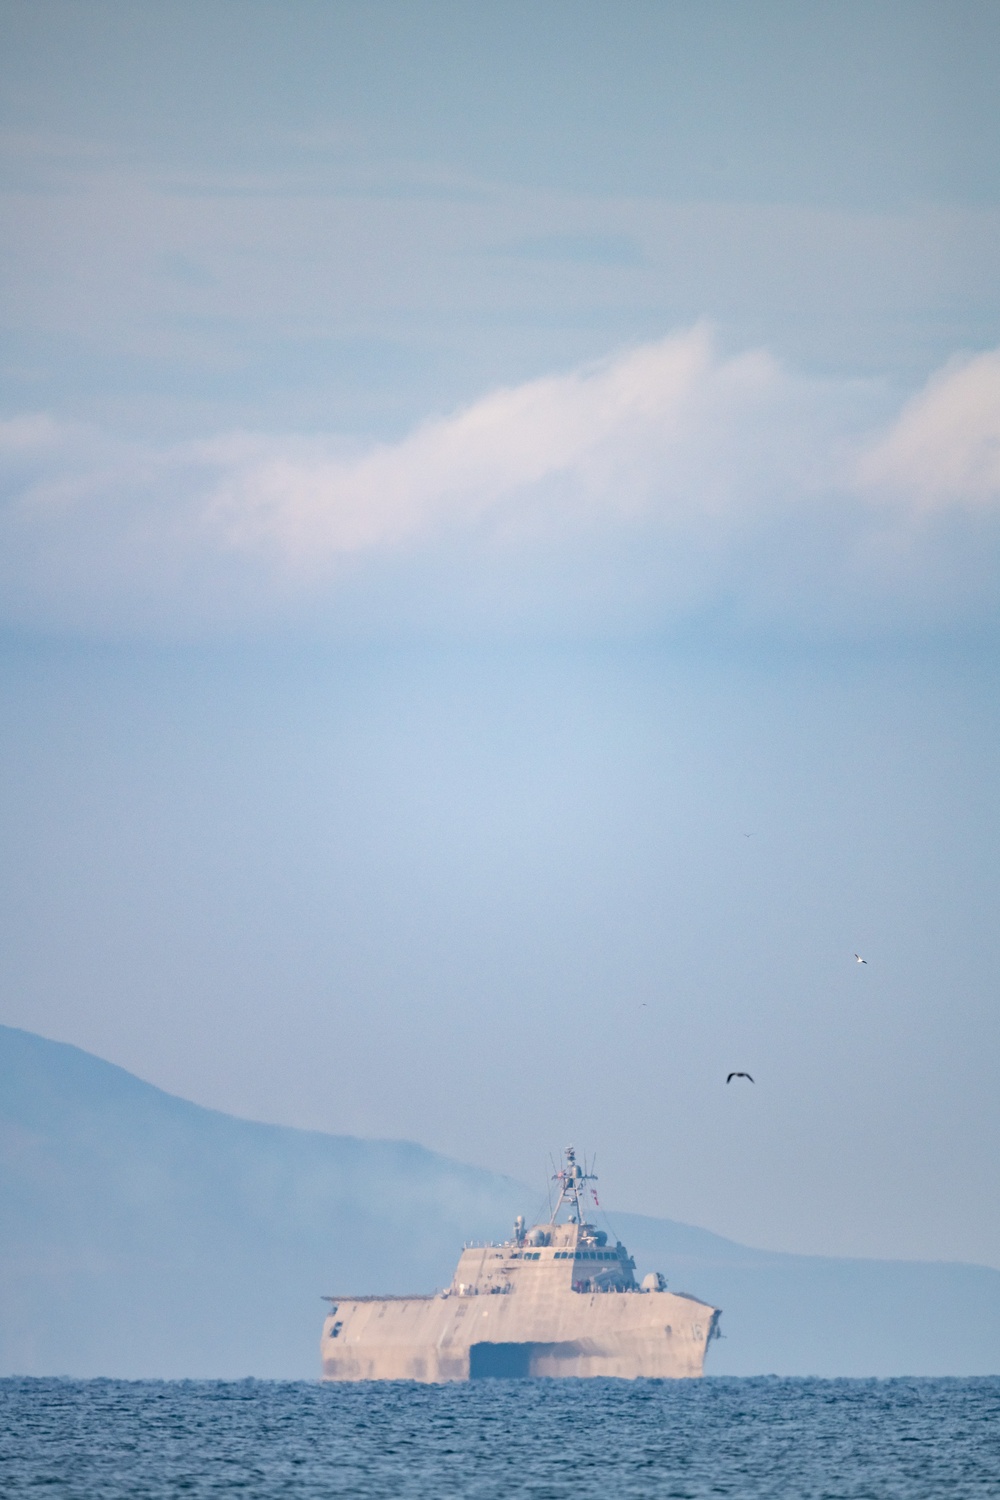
[{"x": 554, "y": 1300}]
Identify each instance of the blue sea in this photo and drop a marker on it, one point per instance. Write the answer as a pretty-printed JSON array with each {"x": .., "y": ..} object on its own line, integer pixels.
[{"x": 863, "y": 1439}]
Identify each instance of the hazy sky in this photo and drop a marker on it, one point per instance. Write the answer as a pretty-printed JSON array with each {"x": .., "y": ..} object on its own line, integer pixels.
[{"x": 462, "y": 470}]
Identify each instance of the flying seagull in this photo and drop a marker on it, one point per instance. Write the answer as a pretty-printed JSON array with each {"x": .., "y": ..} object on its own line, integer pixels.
[
  {"x": 738, "y": 1075},
  {"x": 860, "y": 959}
]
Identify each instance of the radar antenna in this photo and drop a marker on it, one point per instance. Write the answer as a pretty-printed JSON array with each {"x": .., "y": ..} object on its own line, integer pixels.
[{"x": 571, "y": 1179}]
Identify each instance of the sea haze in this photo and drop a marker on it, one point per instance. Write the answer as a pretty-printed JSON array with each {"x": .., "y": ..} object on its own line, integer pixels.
[{"x": 144, "y": 1236}]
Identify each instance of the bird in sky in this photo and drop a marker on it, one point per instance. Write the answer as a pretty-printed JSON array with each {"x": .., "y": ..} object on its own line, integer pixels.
[
  {"x": 738, "y": 1075},
  {"x": 860, "y": 959}
]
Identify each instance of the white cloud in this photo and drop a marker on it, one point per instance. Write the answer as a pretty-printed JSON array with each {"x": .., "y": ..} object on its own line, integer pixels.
[
  {"x": 651, "y": 431},
  {"x": 663, "y": 483},
  {"x": 944, "y": 449}
]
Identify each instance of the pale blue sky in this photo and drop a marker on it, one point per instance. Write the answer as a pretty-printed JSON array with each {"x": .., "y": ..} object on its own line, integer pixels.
[
  {"x": 463, "y": 468},
  {"x": 350, "y": 215}
]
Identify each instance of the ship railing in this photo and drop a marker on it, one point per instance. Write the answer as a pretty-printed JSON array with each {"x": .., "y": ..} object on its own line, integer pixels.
[{"x": 384, "y": 1297}]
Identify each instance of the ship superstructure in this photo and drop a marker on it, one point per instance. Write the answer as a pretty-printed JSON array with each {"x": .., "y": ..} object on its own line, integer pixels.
[{"x": 554, "y": 1300}]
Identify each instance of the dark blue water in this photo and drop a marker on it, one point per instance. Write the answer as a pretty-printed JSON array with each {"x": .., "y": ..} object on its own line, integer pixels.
[{"x": 103, "y": 1439}]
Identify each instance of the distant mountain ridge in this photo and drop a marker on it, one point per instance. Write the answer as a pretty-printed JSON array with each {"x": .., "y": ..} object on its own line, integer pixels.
[{"x": 143, "y": 1235}]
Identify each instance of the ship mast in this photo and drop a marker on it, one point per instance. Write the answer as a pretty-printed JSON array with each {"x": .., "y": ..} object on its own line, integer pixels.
[{"x": 571, "y": 1179}]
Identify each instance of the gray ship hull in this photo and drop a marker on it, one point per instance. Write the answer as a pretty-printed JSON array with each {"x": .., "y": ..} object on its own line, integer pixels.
[{"x": 627, "y": 1335}]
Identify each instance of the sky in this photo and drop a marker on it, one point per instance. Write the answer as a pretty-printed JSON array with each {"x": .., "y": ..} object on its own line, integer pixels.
[{"x": 499, "y": 561}]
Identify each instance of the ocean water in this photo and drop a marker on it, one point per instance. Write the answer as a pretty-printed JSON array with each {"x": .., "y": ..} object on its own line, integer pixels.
[{"x": 124, "y": 1440}]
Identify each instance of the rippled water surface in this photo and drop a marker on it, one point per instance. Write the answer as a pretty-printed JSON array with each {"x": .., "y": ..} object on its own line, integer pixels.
[{"x": 795, "y": 1438}]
